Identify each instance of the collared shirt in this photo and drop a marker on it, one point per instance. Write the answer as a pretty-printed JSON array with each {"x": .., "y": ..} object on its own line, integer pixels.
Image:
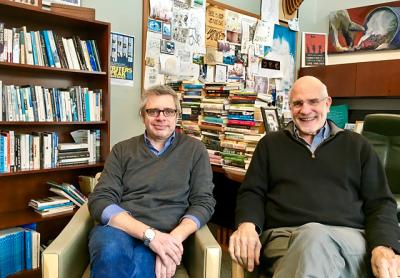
[
  {"x": 112, "y": 210},
  {"x": 320, "y": 137},
  {"x": 167, "y": 144}
]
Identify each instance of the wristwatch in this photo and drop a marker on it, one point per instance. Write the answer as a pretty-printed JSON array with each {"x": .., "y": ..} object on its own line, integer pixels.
[{"x": 148, "y": 235}]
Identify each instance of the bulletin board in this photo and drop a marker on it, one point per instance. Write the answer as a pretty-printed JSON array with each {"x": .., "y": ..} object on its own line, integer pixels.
[{"x": 222, "y": 43}]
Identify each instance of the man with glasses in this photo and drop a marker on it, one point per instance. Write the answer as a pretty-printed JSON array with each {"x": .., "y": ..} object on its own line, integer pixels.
[
  {"x": 319, "y": 198},
  {"x": 155, "y": 190}
]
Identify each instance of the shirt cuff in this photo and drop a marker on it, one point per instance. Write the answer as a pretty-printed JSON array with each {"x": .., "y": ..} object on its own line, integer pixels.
[
  {"x": 194, "y": 218},
  {"x": 109, "y": 212}
]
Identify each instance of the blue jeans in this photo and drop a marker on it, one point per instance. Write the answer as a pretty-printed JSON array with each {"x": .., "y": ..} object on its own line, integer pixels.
[{"x": 114, "y": 253}]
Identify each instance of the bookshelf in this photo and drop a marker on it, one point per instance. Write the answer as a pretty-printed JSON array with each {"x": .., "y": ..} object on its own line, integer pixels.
[{"x": 18, "y": 187}]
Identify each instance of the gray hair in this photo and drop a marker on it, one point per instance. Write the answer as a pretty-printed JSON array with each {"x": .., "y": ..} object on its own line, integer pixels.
[{"x": 159, "y": 90}]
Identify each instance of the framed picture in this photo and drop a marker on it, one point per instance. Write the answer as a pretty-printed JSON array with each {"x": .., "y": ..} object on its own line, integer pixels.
[
  {"x": 64, "y": 2},
  {"x": 314, "y": 49},
  {"x": 271, "y": 119}
]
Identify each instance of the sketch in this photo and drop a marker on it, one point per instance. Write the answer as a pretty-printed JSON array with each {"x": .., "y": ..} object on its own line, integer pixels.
[
  {"x": 372, "y": 27},
  {"x": 271, "y": 119},
  {"x": 154, "y": 25},
  {"x": 167, "y": 47}
]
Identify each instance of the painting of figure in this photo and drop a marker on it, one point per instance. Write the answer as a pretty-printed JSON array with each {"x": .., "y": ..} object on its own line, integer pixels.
[{"x": 375, "y": 27}]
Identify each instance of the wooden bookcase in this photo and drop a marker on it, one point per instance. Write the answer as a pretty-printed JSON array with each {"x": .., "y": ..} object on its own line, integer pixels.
[
  {"x": 364, "y": 79},
  {"x": 17, "y": 188}
]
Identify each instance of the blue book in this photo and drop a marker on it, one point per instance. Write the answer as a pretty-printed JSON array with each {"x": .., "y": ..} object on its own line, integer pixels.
[
  {"x": 87, "y": 106},
  {"x": 28, "y": 249},
  {"x": 49, "y": 54},
  {"x": 91, "y": 56},
  {"x": 12, "y": 256},
  {"x": 34, "y": 51}
]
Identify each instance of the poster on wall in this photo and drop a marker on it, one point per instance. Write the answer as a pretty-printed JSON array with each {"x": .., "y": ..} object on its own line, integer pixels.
[
  {"x": 372, "y": 27},
  {"x": 121, "y": 62},
  {"x": 284, "y": 50},
  {"x": 215, "y": 26},
  {"x": 313, "y": 49}
]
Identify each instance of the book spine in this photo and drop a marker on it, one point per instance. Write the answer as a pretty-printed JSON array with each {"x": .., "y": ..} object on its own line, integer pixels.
[{"x": 49, "y": 53}]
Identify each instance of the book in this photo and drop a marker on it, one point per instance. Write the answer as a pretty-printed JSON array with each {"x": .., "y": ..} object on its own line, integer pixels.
[
  {"x": 47, "y": 202},
  {"x": 55, "y": 210},
  {"x": 69, "y": 191}
]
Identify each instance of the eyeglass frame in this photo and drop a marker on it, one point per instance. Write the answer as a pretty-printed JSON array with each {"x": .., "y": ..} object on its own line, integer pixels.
[
  {"x": 311, "y": 102},
  {"x": 158, "y": 112}
]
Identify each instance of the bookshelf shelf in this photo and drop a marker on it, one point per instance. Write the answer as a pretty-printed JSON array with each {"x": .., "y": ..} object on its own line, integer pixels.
[
  {"x": 56, "y": 169},
  {"x": 51, "y": 123},
  {"x": 42, "y": 69},
  {"x": 18, "y": 187},
  {"x": 27, "y": 216}
]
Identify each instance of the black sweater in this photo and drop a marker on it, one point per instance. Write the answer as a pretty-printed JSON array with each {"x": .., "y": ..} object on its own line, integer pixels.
[{"x": 342, "y": 184}]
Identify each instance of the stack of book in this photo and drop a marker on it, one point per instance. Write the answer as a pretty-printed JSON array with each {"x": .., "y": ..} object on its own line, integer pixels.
[
  {"x": 241, "y": 133},
  {"x": 68, "y": 191},
  {"x": 73, "y": 153},
  {"x": 213, "y": 119},
  {"x": 177, "y": 86},
  {"x": 19, "y": 250},
  {"x": 191, "y": 99},
  {"x": 51, "y": 205}
]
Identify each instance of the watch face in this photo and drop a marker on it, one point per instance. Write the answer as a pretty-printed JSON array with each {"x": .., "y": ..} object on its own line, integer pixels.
[{"x": 149, "y": 234}]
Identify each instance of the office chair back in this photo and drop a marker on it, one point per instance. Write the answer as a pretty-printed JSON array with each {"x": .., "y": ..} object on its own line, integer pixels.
[{"x": 383, "y": 132}]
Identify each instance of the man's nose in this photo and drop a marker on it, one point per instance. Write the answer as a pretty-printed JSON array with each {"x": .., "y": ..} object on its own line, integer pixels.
[{"x": 305, "y": 108}]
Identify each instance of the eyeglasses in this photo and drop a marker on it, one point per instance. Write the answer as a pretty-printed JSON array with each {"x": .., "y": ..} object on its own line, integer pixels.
[
  {"x": 155, "y": 112},
  {"x": 311, "y": 102}
]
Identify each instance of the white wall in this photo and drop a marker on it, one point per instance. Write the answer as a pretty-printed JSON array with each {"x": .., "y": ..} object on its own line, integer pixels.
[
  {"x": 125, "y": 17},
  {"x": 313, "y": 17}
]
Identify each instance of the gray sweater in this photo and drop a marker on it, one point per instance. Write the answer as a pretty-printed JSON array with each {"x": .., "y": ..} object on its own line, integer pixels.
[{"x": 156, "y": 190}]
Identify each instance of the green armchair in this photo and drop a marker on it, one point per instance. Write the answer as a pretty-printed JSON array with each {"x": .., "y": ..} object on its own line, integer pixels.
[
  {"x": 68, "y": 256},
  {"x": 383, "y": 132}
]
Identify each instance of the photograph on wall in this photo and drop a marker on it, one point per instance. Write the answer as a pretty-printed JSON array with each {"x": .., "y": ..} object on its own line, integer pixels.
[
  {"x": 372, "y": 27},
  {"x": 166, "y": 31},
  {"x": 122, "y": 56},
  {"x": 313, "y": 49},
  {"x": 154, "y": 25},
  {"x": 167, "y": 47},
  {"x": 161, "y": 9}
]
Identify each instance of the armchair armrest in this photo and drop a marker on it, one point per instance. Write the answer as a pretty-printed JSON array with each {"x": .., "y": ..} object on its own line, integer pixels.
[
  {"x": 68, "y": 255},
  {"x": 202, "y": 255}
]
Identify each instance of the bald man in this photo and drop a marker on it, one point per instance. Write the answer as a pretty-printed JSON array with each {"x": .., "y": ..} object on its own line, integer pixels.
[{"x": 319, "y": 198}]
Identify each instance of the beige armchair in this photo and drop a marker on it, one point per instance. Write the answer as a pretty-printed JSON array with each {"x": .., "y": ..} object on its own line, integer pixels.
[{"x": 68, "y": 256}]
